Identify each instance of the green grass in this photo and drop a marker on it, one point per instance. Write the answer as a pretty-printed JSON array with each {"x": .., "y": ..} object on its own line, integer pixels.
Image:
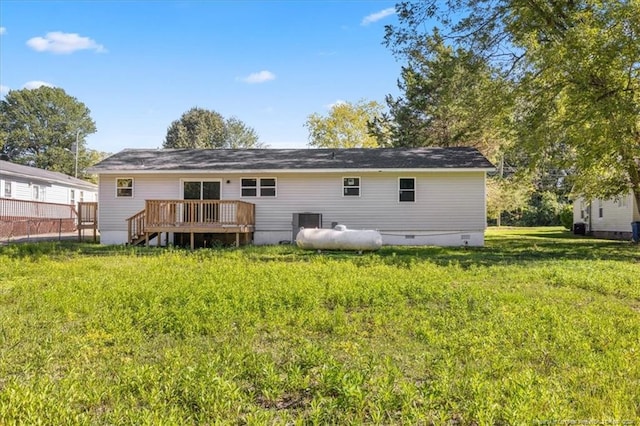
[{"x": 537, "y": 327}]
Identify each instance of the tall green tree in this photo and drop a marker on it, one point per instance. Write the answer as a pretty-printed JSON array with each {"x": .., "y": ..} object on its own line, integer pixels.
[
  {"x": 40, "y": 128},
  {"x": 202, "y": 128},
  {"x": 575, "y": 67},
  {"x": 345, "y": 126},
  {"x": 451, "y": 97},
  {"x": 240, "y": 135},
  {"x": 197, "y": 128}
]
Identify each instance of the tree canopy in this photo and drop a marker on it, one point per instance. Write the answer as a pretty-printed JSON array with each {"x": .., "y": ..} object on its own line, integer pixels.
[
  {"x": 345, "y": 126},
  {"x": 574, "y": 71},
  {"x": 451, "y": 97},
  {"x": 40, "y": 127},
  {"x": 202, "y": 128}
]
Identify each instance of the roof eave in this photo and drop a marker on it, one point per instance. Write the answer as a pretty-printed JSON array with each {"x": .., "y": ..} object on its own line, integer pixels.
[{"x": 289, "y": 171}]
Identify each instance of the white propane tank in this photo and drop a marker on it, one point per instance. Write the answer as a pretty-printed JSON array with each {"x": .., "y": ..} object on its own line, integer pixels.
[{"x": 338, "y": 238}]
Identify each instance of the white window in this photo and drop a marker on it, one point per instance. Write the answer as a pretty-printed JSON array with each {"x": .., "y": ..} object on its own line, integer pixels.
[
  {"x": 621, "y": 201},
  {"x": 600, "y": 209},
  {"x": 124, "y": 187},
  {"x": 7, "y": 189},
  {"x": 258, "y": 187},
  {"x": 81, "y": 196},
  {"x": 351, "y": 186},
  {"x": 407, "y": 190},
  {"x": 72, "y": 196},
  {"x": 37, "y": 193}
]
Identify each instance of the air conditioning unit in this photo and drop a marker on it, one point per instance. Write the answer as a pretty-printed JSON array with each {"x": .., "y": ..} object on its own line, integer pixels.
[{"x": 305, "y": 220}]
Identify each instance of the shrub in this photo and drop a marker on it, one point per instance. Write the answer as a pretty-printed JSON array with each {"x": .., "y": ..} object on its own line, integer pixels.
[{"x": 566, "y": 216}]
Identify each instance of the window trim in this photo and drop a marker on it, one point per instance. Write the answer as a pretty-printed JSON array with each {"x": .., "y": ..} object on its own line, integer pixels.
[
  {"x": 621, "y": 201},
  {"x": 183, "y": 180},
  {"x": 7, "y": 184},
  {"x": 600, "y": 209},
  {"x": 37, "y": 192},
  {"x": 358, "y": 186},
  {"x": 125, "y": 187},
  {"x": 258, "y": 188},
  {"x": 414, "y": 190}
]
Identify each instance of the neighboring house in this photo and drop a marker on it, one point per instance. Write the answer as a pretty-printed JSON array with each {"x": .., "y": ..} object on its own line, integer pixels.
[
  {"x": 35, "y": 201},
  {"x": 607, "y": 218},
  {"x": 26, "y": 183},
  {"x": 421, "y": 196}
]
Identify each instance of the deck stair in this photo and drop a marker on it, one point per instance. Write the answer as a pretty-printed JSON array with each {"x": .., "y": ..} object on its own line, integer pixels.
[{"x": 191, "y": 217}]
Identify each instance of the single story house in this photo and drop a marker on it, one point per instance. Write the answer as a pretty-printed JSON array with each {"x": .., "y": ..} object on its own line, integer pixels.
[
  {"x": 413, "y": 196},
  {"x": 607, "y": 218},
  {"x": 26, "y": 183},
  {"x": 36, "y": 201}
]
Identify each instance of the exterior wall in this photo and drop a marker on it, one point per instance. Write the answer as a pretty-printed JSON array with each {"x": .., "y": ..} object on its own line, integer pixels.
[
  {"x": 22, "y": 189},
  {"x": 617, "y": 215},
  {"x": 448, "y": 204}
]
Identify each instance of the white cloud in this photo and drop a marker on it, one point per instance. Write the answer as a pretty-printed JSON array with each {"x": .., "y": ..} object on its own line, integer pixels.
[
  {"x": 259, "y": 77},
  {"x": 375, "y": 17},
  {"x": 3, "y": 30},
  {"x": 4, "y": 89},
  {"x": 63, "y": 43},
  {"x": 336, "y": 103},
  {"x": 35, "y": 84}
]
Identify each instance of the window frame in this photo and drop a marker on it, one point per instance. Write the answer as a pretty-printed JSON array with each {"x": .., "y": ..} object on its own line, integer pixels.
[
  {"x": 345, "y": 187},
  {"x": 259, "y": 187},
  {"x": 118, "y": 187},
  {"x": 7, "y": 184},
  {"x": 621, "y": 201},
  {"x": 401, "y": 190},
  {"x": 37, "y": 192}
]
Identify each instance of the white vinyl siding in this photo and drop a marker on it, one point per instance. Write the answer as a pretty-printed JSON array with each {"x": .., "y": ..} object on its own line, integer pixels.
[
  {"x": 22, "y": 188},
  {"x": 445, "y": 201},
  {"x": 616, "y": 217}
]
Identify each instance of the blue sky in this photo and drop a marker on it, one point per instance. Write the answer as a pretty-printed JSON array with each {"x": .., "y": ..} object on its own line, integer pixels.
[{"x": 139, "y": 65}]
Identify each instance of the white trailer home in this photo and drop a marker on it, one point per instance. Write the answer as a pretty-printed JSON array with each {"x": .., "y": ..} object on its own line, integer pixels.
[
  {"x": 607, "y": 218},
  {"x": 421, "y": 196},
  {"x": 18, "y": 182},
  {"x": 36, "y": 201}
]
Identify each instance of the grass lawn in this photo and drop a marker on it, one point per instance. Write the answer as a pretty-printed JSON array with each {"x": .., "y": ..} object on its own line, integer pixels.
[{"x": 538, "y": 327}]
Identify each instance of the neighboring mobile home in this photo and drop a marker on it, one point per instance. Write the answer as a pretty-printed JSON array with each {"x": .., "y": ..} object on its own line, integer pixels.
[
  {"x": 421, "y": 196},
  {"x": 26, "y": 183},
  {"x": 35, "y": 201},
  {"x": 607, "y": 218}
]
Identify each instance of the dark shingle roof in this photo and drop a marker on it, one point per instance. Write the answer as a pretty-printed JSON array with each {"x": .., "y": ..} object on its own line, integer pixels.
[
  {"x": 293, "y": 159},
  {"x": 12, "y": 169}
]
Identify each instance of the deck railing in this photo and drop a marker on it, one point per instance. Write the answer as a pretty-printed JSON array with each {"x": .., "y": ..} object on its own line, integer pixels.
[
  {"x": 190, "y": 216},
  {"x": 184, "y": 213},
  {"x": 14, "y": 210},
  {"x": 136, "y": 225}
]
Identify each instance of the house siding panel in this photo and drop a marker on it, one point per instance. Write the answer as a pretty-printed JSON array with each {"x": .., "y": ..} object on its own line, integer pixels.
[
  {"x": 451, "y": 201},
  {"x": 616, "y": 219}
]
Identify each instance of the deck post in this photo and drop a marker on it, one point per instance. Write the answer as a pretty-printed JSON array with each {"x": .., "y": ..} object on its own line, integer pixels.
[
  {"x": 146, "y": 239},
  {"x": 193, "y": 245},
  {"x": 159, "y": 239},
  {"x": 237, "y": 239}
]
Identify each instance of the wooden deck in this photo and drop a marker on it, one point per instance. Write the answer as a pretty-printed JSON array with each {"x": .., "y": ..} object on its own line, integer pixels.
[
  {"x": 191, "y": 217},
  {"x": 87, "y": 218}
]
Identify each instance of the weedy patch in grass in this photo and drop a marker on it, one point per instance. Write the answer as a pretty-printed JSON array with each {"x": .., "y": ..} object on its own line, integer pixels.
[{"x": 537, "y": 326}]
